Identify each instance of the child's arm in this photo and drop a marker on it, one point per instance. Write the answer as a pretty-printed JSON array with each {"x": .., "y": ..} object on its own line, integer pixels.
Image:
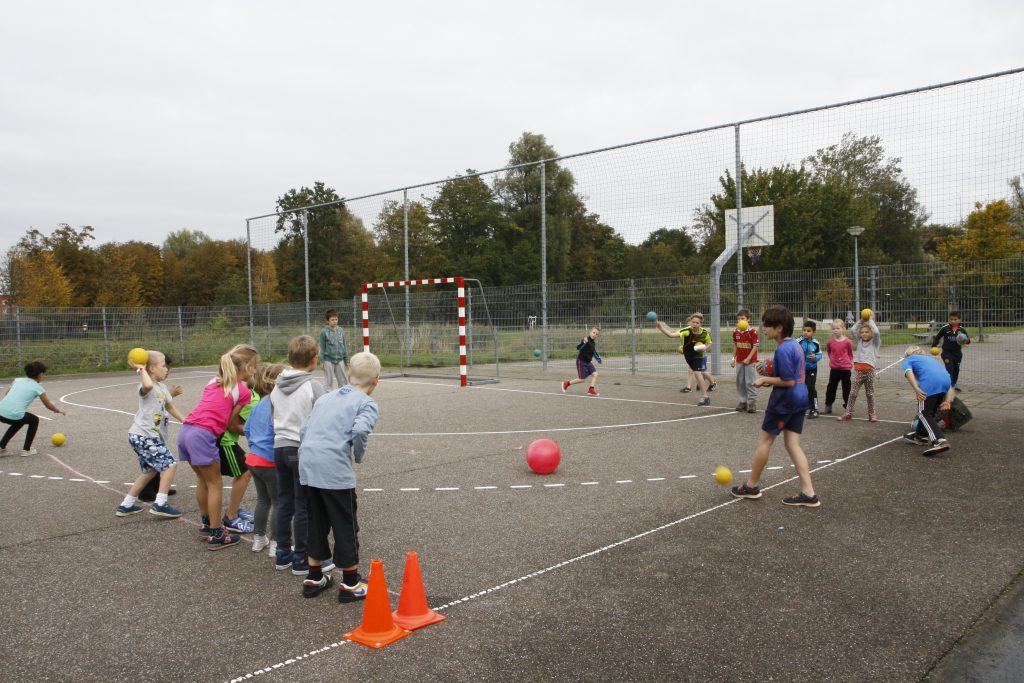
[
  {"x": 817, "y": 353},
  {"x": 909, "y": 374},
  {"x": 323, "y": 344},
  {"x": 597, "y": 356},
  {"x": 876, "y": 338},
  {"x": 947, "y": 403},
  {"x": 366, "y": 418},
  {"x": 49, "y": 404},
  {"x": 939, "y": 335},
  {"x": 753, "y": 350},
  {"x": 665, "y": 329},
  {"x": 144, "y": 378},
  {"x": 581, "y": 345},
  {"x": 175, "y": 413},
  {"x": 235, "y": 423}
]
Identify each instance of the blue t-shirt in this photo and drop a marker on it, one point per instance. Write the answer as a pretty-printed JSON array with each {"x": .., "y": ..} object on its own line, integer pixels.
[
  {"x": 23, "y": 391},
  {"x": 788, "y": 364},
  {"x": 930, "y": 373}
]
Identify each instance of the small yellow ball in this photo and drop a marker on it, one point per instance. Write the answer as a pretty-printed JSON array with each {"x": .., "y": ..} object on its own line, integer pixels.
[
  {"x": 865, "y": 314},
  {"x": 742, "y": 325},
  {"x": 58, "y": 439},
  {"x": 723, "y": 475},
  {"x": 138, "y": 356},
  {"x": 935, "y": 351},
  {"x": 680, "y": 349}
]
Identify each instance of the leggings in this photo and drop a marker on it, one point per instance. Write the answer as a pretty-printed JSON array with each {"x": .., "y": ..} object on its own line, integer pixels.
[
  {"x": 29, "y": 419},
  {"x": 265, "y": 480},
  {"x": 835, "y": 376},
  {"x": 866, "y": 378}
]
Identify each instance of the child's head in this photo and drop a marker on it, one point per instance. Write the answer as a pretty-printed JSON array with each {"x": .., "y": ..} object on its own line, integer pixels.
[
  {"x": 810, "y": 327},
  {"x": 364, "y": 371},
  {"x": 156, "y": 366},
  {"x": 865, "y": 333},
  {"x": 595, "y": 331},
  {"x": 838, "y": 328},
  {"x": 954, "y": 317},
  {"x": 743, "y": 314},
  {"x": 265, "y": 377},
  {"x": 237, "y": 365},
  {"x": 696, "y": 320},
  {"x": 912, "y": 351},
  {"x": 777, "y": 322},
  {"x": 302, "y": 352},
  {"x": 331, "y": 316},
  {"x": 35, "y": 370}
]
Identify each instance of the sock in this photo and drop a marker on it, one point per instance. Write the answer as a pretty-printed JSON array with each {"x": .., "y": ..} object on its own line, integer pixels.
[
  {"x": 206, "y": 520},
  {"x": 129, "y": 501},
  {"x": 349, "y": 577},
  {"x": 315, "y": 573},
  {"x": 161, "y": 499}
]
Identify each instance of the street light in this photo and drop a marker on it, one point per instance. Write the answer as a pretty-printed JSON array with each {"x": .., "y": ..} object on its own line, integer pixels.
[{"x": 856, "y": 231}]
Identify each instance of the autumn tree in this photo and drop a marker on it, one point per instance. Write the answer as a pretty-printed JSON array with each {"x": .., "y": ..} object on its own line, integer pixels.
[{"x": 988, "y": 234}]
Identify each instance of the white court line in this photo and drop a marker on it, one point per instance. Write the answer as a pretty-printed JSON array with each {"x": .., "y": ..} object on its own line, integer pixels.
[
  {"x": 688, "y": 476},
  {"x": 589, "y": 483},
  {"x": 624, "y": 481},
  {"x": 521, "y": 486},
  {"x": 574, "y": 560},
  {"x": 439, "y": 488},
  {"x": 63, "y": 399},
  {"x": 553, "y": 486},
  {"x": 656, "y": 479}
]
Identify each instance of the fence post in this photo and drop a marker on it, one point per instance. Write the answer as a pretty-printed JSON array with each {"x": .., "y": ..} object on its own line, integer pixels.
[
  {"x": 248, "y": 270},
  {"x": 873, "y": 277},
  {"x": 543, "y": 268},
  {"x": 269, "y": 350},
  {"x": 632, "y": 326},
  {"x": 739, "y": 222},
  {"x": 469, "y": 325},
  {"x": 181, "y": 336},
  {"x": 405, "y": 247},
  {"x": 305, "y": 260},
  {"x": 106, "y": 339},
  {"x": 17, "y": 332},
  {"x": 981, "y": 320}
]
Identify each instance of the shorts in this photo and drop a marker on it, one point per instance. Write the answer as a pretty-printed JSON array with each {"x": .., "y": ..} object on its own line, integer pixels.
[
  {"x": 232, "y": 460},
  {"x": 584, "y": 369},
  {"x": 697, "y": 363},
  {"x": 154, "y": 456},
  {"x": 774, "y": 423},
  {"x": 197, "y": 446}
]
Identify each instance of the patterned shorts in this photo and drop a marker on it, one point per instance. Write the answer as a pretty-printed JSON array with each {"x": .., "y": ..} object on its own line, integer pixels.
[{"x": 153, "y": 453}]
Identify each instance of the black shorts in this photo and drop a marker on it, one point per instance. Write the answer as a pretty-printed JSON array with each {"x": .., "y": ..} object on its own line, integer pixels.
[
  {"x": 332, "y": 510},
  {"x": 232, "y": 461},
  {"x": 697, "y": 363}
]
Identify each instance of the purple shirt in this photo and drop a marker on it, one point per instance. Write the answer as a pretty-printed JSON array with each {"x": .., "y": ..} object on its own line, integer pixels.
[{"x": 788, "y": 364}]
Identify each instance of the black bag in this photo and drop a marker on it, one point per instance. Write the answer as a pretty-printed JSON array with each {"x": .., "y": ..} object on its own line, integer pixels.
[{"x": 957, "y": 416}]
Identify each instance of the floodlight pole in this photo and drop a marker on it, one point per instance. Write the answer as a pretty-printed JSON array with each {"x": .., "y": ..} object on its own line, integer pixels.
[
  {"x": 405, "y": 242},
  {"x": 739, "y": 223},
  {"x": 543, "y": 268},
  {"x": 248, "y": 270},
  {"x": 304, "y": 217}
]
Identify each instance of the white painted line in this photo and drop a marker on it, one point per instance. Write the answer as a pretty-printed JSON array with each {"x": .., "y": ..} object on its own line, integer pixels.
[
  {"x": 688, "y": 476},
  {"x": 373, "y": 489},
  {"x": 15, "y": 474},
  {"x": 192, "y": 486},
  {"x": 444, "y": 488},
  {"x": 589, "y": 483},
  {"x": 774, "y": 467},
  {"x": 484, "y": 488},
  {"x": 100, "y": 481},
  {"x": 75, "y": 479},
  {"x": 521, "y": 486},
  {"x": 744, "y": 471},
  {"x": 129, "y": 483},
  {"x": 36, "y": 476},
  {"x": 823, "y": 461},
  {"x": 552, "y": 486},
  {"x": 411, "y": 488},
  {"x": 624, "y": 481},
  {"x": 656, "y": 479},
  {"x": 55, "y": 477}
]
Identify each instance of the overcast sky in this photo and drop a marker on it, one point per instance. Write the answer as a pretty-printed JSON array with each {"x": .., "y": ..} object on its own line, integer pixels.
[{"x": 140, "y": 119}]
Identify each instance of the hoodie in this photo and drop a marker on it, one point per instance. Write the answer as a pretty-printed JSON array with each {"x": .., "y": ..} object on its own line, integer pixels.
[
  {"x": 334, "y": 437},
  {"x": 291, "y": 402}
]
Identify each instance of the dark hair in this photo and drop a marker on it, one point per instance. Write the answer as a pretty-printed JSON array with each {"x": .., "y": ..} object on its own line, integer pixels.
[
  {"x": 811, "y": 324},
  {"x": 743, "y": 313},
  {"x": 331, "y": 313},
  {"x": 779, "y": 316},
  {"x": 168, "y": 361},
  {"x": 952, "y": 313},
  {"x": 34, "y": 369}
]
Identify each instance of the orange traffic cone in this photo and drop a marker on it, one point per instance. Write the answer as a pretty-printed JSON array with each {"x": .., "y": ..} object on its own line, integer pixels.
[
  {"x": 377, "y": 629},
  {"x": 413, "y": 612}
]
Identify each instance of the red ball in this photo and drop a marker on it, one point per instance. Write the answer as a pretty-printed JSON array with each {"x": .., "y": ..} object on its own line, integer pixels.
[{"x": 543, "y": 456}]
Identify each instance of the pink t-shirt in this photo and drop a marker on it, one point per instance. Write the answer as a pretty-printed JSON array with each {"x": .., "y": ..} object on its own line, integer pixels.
[
  {"x": 214, "y": 408},
  {"x": 840, "y": 353}
]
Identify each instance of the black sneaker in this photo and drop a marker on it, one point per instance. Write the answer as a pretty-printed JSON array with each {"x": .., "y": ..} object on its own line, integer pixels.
[
  {"x": 312, "y": 588},
  {"x": 916, "y": 439},
  {"x": 352, "y": 593},
  {"x": 828, "y": 409},
  {"x": 938, "y": 446},
  {"x": 813, "y": 414},
  {"x": 221, "y": 539},
  {"x": 744, "y": 491},
  {"x": 803, "y": 500},
  {"x": 712, "y": 386},
  {"x": 685, "y": 390}
]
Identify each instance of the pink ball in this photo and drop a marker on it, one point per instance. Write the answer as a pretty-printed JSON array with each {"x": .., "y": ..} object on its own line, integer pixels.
[{"x": 543, "y": 456}]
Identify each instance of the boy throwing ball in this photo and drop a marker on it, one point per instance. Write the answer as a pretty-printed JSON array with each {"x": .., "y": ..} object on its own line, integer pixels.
[
  {"x": 786, "y": 409},
  {"x": 587, "y": 354}
]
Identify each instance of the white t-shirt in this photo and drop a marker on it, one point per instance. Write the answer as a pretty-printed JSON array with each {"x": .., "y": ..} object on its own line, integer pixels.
[{"x": 151, "y": 417}]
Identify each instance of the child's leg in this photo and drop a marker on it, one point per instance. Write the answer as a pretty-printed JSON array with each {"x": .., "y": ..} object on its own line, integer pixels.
[
  {"x": 30, "y": 420},
  {"x": 761, "y": 453},
  {"x": 858, "y": 379},
  {"x": 741, "y": 383},
  {"x": 593, "y": 380},
  {"x": 285, "y": 508},
  {"x": 927, "y": 425},
  {"x": 166, "y": 479},
  {"x": 300, "y": 520},
  {"x": 845, "y": 379},
  {"x": 15, "y": 425},
  {"x": 33, "y": 424},
  {"x": 201, "y": 492},
  {"x": 799, "y": 458},
  {"x": 238, "y": 487},
  {"x": 954, "y": 371},
  {"x": 869, "y": 390},
  {"x": 211, "y": 476},
  {"x": 833, "y": 384},
  {"x": 340, "y": 506},
  {"x": 318, "y": 527},
  {"x": 701, "y": 384},
  {"x": 328, "y": 373},
  {"x": 811, "y": 377},
  {"x": 265, "y": 481},
  {"x": 140, "y": 483}
]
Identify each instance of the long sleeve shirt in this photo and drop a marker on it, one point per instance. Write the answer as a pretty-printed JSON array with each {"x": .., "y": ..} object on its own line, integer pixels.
[
  {"x": 867, "y": 352},
  {"x": 334, "y": 437},
  {"x": 951, "y": 348},
  {"x": 812, "y": 352},
  {"x": 332, "y": 344}
]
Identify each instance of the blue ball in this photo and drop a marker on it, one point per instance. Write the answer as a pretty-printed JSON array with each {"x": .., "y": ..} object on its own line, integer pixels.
[
  {"x": 536, "y": 353},
  {"x": 651, "y": 316}
]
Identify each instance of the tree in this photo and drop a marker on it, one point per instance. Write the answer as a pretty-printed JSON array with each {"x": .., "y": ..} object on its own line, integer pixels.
[
  {"x": 37, "y": 280},
  {"x": 988, "y": 234},
  {"x": 426, "y": 257}
]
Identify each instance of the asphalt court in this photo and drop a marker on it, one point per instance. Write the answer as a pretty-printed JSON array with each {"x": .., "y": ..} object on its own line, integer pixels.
[{"x": 628, "y": 562}]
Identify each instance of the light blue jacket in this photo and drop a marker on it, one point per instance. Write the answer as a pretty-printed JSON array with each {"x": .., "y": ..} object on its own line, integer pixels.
[{"x": 333, "y": 436}]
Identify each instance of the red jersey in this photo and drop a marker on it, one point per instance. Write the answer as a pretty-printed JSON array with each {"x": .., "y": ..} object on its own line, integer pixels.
[{"x": 743, "y": 342}]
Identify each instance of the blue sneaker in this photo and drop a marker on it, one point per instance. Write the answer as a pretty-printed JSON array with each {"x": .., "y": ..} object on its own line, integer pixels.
[
  {"x": 283, "y": 558},
  {"x": 327, "y": 565},
  {"x": 164, "y": 510},
  {"x": 706, "y": 401},
  {"x": 352, "y": 593},
  {"x": 247, "y": 515},
  {"x": 300, "y": 567},
  {"x": 205, "y": 529},
  {"x": 238, "y": 525},
  {"x": 125, "y": 510}
]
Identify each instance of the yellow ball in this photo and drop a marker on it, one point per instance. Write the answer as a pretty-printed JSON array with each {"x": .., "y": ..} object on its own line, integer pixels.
[
  {"x": 935, "y": 351},
  {"x": 680, "y": 349},
  {"x": 865, "y": 314},
  {"x": 58, "y": 439},
  {"x": 723, "y": 475},
  {"x": 742, "y": 325},
  {"x": 138, "y": 356}
]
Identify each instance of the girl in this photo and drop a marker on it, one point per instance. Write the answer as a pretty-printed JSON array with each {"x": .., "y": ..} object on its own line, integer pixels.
[
  {"x": 840, "y": 364},
  {"x": 259, "y": 432},
  {"x": 865, "y": 360},
  {"x": 13, "y": 408},
  {"x": 219, "y": 410}
]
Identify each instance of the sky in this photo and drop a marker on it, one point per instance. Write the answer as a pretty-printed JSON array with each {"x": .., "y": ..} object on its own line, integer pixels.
[{"x": 144, "y": 118}]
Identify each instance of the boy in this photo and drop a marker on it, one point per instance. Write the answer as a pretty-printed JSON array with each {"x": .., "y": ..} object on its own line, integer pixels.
[
  {"x": 952, "y": 351},
  {"x": 587, "y": 349},
  {"x": 333, "y": 351},
  {"x": 696, "y": 359},
  {"x": 333, "y": 438},
  {"x": 934, "y": 390},
  {"x": 13, "y": 407},
  {"x": 148, "y": 438},
  {"x": 785, "y": 412},
  {"x": 291, "y": 402},
  {"x": 840, "y": 364},
  {"x": 812, "y": 354},
  {"x": 745, "y": 341},
  {"x": 152, "y": 487}
]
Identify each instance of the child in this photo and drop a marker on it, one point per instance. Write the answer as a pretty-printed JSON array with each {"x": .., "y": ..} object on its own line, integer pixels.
[
  {"x": 812, "y": 354},
  {"x": 840, "y": 363},
  {"x": 291, "y": 402},
  {"x": 745, "y": 343},
  {"x": 934, "y": 390},
  {"x": 696, "y": 360},
  {"x": 333, "y": 351},
  {"x": 865, "y": 360},
  {"x": 219, "y": 409},
  {"x": 152, "y": 487},
  {"x": 148, "y": 438},
  {"x": 587, "y": 349},
  {"x": 232, "y": 464},
  {"x": 785, "y": 412},
  {"x": 952, "y": 351},
  {"x": 259, "y": 433},
  {"x": 333, "y": 438},
  {"x": 13, "y": 407}
]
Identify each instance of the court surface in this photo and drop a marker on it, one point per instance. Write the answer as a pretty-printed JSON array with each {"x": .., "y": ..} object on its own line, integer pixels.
[{"x": 628, "y": 563}]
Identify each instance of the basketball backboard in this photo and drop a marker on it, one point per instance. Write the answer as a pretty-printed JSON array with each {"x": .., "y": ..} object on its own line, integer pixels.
[{"x": 762, "y": 218}]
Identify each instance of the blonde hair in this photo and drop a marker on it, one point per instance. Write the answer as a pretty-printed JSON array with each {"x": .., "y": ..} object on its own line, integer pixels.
[
  {"x": 696, "y": 314},
  {"x": 153, "y": 357},
  {"x": 840, "y": 323},
  {"x": 912, "y": 350},
  {"x": 265, "y": 377},
  {"x": 302, "y": 350},
  {"x": 363, "y": 368},
  {"x": 240, "y": 356}
]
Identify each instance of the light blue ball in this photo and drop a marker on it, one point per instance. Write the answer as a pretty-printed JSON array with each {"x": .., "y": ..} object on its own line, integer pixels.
[
  {"x": 651, "y": 316},
  {"x": 536, "y": 353}
]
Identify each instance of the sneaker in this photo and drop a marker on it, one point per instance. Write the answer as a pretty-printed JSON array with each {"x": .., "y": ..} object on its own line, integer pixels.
[
  {"x": 247, "y": 515},
  {"x": 685, "y": 390},
  {"x": 872, "y": 417},
  {"x": 744, "y": 491},
  {"x": 741, "y": 407},
  {"x": 915, "y": 438},
  {"x": 565, "y": 387},
  {"x": 272, "y": 549},
  {"x": 312, "y": 588},
  {"x": 327, "y": 565},
  {"x": 706, "y": 401},
  {"x": 238, "y": 525},
  {"x": 803, "y": 500},
  {"x": 259, "y": 543},
  {"x": 828, "y": 409},
  {"x": 845, "y": 417},
  {"x": 938, "y": 446},
  {"x": 221, "y": 539},
  {"x": 813, "y": 414},
  {"x": 593, "y": 392},
  {"x": 283, "y": 558},
  {"x": 125, "y": 510},
  {"x": 299, "y": 567},
  {"x": 164, "y": 510},
  {"x": 28, "y": 451},
  {"x": 352, "y": 593},
  {"x": 713, "y": 385},
  {"x": 751, "y": 407}
]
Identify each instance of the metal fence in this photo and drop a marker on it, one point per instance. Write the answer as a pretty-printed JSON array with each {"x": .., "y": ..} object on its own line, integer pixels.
[{"x": 505, "y": 323}]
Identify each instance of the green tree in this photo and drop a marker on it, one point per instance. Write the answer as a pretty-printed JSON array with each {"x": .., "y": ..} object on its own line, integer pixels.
[{"x": 426, "y": 257}]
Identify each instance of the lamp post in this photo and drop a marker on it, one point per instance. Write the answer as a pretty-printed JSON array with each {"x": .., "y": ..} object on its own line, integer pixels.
[{"x": 856, "y": 231}]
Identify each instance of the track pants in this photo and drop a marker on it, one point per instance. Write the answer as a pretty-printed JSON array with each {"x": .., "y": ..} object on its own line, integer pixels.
[
  {"x": 334, "y": 372},
  {"x": 927, "y": 422},
  {"x": 745, "y": 390}
]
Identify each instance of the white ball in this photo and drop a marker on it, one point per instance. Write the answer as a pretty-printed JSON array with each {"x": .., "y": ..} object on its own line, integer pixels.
[{"x": 699, "y": 347}]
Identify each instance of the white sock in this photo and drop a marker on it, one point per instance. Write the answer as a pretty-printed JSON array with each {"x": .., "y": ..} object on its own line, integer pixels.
[
  {"x": 161, "y": 499},
  {"x": 129, "y": 501}
]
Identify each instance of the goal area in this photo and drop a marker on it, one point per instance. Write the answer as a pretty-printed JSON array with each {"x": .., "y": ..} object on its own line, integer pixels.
[{"x": 428, "y": 330}]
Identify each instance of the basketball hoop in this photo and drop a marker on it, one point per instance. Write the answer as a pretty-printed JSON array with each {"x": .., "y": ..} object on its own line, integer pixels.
[{"x": 754, "y": 254}]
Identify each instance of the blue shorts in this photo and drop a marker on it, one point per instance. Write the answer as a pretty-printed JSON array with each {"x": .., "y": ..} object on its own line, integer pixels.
[
  {"x": 154, "y": 456},
  {"x": 584, "y": 369},
  {"x": 697, "y": 363},
  {"x": 774, "y": 423}
]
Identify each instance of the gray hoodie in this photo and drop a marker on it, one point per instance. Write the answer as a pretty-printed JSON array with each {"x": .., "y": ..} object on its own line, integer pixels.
[{"x": 291, "y": 402}]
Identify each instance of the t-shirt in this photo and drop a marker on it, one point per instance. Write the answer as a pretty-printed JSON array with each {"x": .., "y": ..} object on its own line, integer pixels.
[
  {"x": 214, "y": 408},
  {"x": 587, "y": 347},
  {"x": 788, "y": 364},
  {"x": 151, "y": 417},
  {"x": 23, "y": 391},
  {"x": 743, "y": 342},
  {"x": 691, "y": 339},
  {"x": 930, "y": 373},
  {"x": 230, "y": 438},
  {"x": 840, "y": 353}
]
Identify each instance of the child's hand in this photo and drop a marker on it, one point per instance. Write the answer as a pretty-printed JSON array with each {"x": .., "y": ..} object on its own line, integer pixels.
[
  {"x": 920, "y": 394},
  {"x": 135, "y": 366},
  {"x": 176, "y": 390},
  {"x": 946, "y": 406},
  {"x": 761, "y": 382},
  {"x": 732, "y": 363}
]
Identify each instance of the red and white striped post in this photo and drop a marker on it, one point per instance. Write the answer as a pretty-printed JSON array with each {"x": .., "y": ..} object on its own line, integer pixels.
[{"x": 461, "y": 284}]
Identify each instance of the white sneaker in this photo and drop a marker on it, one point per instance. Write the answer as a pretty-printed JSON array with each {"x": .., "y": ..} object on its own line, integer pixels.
[
  {"x": 30, "y": 451},
  {"x": 259, "y": 543},
  {"x": 272, "y": 549}
]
